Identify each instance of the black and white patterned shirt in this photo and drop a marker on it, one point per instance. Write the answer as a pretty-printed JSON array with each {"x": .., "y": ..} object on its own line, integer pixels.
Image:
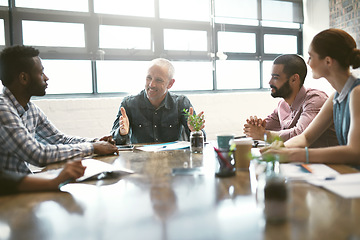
[{"x": 27, "y": 136}]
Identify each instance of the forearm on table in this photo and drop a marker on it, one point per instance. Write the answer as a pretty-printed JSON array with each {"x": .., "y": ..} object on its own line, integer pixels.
[
  {"x": 335, "y": 155},
  {"x": 33, "y": 183}
]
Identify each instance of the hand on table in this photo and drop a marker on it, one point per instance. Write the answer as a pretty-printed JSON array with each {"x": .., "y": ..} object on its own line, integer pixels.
[
  {"x": 108, "y": 139},
  {"x": 277, "y": 148},
  {"x": 72, "y": 170},
  {"x": 104, "y": 148}
]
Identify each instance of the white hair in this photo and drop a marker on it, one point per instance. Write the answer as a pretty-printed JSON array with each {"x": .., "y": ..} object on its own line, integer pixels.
[{"x": 162, "y": 62}]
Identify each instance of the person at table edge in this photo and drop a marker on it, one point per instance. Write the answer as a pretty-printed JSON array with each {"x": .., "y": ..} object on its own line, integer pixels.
[
  {"x": 331, "y": 53},
  {"x": 26, "y": 135},
  {"x": 296, "y": 110},
  {"x": 12, "y": 182},
  {"x": 155, "y": 114}
]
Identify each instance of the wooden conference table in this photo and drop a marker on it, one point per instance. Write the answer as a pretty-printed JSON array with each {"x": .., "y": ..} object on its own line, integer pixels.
[{"x": 153, "y": 203}]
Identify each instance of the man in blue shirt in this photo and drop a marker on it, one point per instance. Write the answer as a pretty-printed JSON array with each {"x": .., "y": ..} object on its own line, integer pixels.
[
  {"x": 26, "y": 135},
  {"x": 155, "y": 114}
]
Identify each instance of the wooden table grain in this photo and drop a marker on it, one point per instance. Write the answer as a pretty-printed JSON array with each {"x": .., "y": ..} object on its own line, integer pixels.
[{"x": 153, "y": 203}]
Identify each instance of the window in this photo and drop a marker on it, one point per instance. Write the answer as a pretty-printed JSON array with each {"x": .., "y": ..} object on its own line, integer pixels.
[
  {"x": 280, "y": 44},
  {"x": 245, "y": 9},
  {"x": 112, "y": 75},
  {"x": 100, "y": 46},
  {"x": 282, "y": 10},
  {"x": 4, "y": 2},
  {"x": 250, "y": 34},
  {"x": 66, "y": 34},
  {"x": 191, "y": 76},
  {"x": 68, "y": 76},
  {"x": 191, "y": 40},
  {"x": 175, "y": 9},
  {"x": 65, "y": 5},
  {"x": 2, "y": 32},
  {"x": 237, "y": 42},
  {"x": 267, "y": 70},
  {"x": 141, "y": 8},
  {"x": 124, "y": 37},
  {"x": 238, "y": 74},
  {"x": 121, "y": 76}
]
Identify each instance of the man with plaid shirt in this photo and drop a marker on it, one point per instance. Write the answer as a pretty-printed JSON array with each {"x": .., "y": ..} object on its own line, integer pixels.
[{"x": 26, "y": 135}]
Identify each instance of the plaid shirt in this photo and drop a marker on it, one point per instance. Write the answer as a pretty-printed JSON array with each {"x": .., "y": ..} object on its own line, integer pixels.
[{"x": 26, "y": 135}]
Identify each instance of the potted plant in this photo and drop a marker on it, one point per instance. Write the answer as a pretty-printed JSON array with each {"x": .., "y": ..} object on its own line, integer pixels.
[{"x": 196, "y": 136}]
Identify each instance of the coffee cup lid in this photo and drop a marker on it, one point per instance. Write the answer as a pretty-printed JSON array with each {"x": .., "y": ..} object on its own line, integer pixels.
[{"x": 247, "y": 140}]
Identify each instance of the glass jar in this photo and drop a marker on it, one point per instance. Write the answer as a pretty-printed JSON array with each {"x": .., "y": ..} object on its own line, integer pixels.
[
  {"x": 273, "y": 192},
  {"x": 196, "y": 141}
]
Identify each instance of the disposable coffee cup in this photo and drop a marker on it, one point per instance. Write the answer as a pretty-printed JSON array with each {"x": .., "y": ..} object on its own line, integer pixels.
[{"x": 242, "y": 154}]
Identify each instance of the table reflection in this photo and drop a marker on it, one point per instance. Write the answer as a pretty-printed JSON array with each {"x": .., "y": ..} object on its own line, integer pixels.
[{"x": 154, "y": 203}]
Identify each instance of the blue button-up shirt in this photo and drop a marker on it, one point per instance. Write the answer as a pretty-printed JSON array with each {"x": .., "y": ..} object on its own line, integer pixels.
[
  {"x": 341, "y": 110},
  {"x": 149, "y": 124}
]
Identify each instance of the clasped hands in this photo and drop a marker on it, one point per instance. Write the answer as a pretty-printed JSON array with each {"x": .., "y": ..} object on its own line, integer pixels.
[{"x": 255, "y": 128}]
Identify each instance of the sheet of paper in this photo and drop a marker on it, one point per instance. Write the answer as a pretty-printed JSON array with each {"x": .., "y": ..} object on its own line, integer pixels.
[
  {"x": 351, "y": 190},
  {"x": 93, "y": 168},
  {"x": 345, "y": 185},
  {"x": 165, "y": 146},
  {"x": 295, "y": 171}
]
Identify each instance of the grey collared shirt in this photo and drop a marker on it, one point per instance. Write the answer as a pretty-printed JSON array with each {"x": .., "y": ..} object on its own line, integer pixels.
[{"x": 149, "y": 124}]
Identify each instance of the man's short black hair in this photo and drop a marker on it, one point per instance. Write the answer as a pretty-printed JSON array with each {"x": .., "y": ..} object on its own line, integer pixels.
[
  {"x": 15, "y": 60},
  {"x": 293, "y": 64}
]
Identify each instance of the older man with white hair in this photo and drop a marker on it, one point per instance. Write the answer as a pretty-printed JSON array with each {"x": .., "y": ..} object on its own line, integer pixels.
[{"x": 155, "y": 114}]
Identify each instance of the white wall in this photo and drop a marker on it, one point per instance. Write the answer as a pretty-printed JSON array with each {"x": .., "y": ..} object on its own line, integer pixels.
[
  {"x": 224, "y": 112},
  {"x": 316, "y": 19}
]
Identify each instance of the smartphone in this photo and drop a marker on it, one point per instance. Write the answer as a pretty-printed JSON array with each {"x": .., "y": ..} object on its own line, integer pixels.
[
  {"x": 125, "y": 147},
  {"x": 187, "y": 171}
]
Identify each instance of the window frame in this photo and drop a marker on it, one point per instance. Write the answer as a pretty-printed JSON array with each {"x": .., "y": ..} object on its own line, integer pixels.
[{"x": 13, "y": 17}]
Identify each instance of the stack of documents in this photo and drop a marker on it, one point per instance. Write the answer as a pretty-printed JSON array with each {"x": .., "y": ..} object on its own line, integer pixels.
[
  {"x": 345, "y": 185},
  {"x": 301, "y": 171},
  {"x": 321, "y": 175}
]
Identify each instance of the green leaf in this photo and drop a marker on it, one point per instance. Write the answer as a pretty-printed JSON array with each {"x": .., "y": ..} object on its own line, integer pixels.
[{"x": 194, "y": 120}]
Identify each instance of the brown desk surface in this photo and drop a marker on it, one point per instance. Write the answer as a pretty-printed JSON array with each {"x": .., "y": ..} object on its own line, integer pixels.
[{"x": 154, "y": 204}]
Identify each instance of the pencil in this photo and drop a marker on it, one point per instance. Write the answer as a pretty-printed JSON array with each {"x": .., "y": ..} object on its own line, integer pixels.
[
  {"x": 306, "y": 167},
  {"x": 223, "y": 160}
]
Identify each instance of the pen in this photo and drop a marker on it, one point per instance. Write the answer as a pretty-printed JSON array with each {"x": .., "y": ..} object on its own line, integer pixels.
[{"x": 329, "y": 178}]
